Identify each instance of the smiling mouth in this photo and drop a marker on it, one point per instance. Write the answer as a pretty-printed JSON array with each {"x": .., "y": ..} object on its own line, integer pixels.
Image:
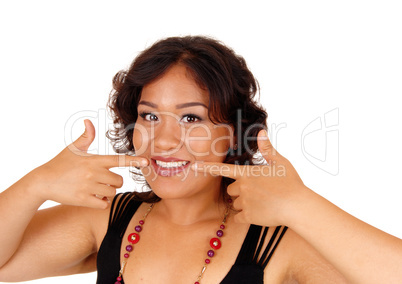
[
  {"x": 167, "y": 169},
  {"x": 169, "y": 165}
]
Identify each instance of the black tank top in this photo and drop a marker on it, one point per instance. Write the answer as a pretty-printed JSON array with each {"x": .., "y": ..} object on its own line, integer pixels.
[{"x": 248, "y": 267}]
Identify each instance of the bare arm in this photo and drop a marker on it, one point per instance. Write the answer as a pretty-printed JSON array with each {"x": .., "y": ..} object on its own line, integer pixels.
[
  {"x": 58, "y": 241},
  {"x": 306, "y": 264},
  {"x": 275, "y": 195},
  {"x": 63, "y": 234},
  {"x": 17, "y": 208},
  {"x": 362, "y": 253},
  {"x": 50, "y": 242}
]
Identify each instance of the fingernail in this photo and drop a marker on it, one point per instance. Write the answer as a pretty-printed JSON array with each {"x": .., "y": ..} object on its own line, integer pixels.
[{"x": 144, "y": 163}]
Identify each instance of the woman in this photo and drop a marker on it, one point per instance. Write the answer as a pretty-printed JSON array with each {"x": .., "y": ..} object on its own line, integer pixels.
[{"x": 185, "y": 109}]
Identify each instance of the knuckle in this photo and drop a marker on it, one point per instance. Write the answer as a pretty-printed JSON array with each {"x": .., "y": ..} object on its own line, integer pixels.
[
  {"x": 86, "y": 188},
  {"x": 83, "y": 188},
  {"x": 88, "y": 175},
  {"x": 81, "y": 197}
]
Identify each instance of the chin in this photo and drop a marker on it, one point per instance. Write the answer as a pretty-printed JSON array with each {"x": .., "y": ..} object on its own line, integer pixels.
[
  {"x": 182, "y": 185},
  {"x": 170, "y": 190},
  {"x": 172, "y": 185}
]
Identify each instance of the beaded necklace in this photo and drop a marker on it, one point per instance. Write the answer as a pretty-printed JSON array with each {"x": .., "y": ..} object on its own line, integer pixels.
[{"x": 134, "y": 238}]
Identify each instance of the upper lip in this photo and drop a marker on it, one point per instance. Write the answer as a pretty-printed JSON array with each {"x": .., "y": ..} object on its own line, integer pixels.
[{"x": 168, "y": 159}]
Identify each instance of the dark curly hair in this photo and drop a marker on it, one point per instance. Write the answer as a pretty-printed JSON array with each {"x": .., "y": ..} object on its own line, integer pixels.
[{"x": 215, "y": 68}]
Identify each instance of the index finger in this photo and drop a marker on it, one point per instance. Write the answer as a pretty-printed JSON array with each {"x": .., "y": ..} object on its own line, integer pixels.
[
  {"x": 217, "y": 169},
  {"x": 113, "y": 161}
]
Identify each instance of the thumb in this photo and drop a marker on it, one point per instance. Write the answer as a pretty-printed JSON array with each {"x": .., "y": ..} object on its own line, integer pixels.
[
  {"x": 265, "y": 147},
  {"x": 85, "y": 140}
]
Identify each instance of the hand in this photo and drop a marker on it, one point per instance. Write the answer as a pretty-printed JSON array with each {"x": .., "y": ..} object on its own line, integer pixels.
[
  {"x": 263, "y": 194},
  {"x": 75, "y": 177}
]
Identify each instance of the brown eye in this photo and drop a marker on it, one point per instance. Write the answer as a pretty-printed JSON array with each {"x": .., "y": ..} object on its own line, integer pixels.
[
  {"x": 153, "y": 117},
  {"x": 149, "y": 116},
  {"x": 191, "y": 118}
]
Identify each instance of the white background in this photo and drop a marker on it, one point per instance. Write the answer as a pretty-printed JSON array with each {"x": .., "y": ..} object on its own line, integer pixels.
[{"x": 57, "y": 60}]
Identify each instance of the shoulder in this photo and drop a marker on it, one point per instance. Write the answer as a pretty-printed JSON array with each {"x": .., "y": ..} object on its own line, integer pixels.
[{"x": 303, "y": 263}]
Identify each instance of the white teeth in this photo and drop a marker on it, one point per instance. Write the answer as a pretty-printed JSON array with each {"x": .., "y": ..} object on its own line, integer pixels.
[{"x": 171, "y": 164}]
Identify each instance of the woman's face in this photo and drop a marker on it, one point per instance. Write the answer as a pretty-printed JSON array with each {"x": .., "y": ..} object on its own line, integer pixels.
[{"x": 173, "y": 131}]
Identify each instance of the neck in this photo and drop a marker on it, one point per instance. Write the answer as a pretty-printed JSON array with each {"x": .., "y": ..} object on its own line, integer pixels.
[{"x": 190, "y": 211}]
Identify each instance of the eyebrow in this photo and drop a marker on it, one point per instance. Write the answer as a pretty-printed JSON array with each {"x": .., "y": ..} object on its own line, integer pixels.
[{"x": 177, "y": 106}]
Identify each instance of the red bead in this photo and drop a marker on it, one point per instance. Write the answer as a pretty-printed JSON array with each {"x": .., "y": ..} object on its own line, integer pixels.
[
  {"x": 222, "y": 227},
  {"x": 207, "y": 261},
  {"x": 126, "y": 255},
  {"x": 133, "y": 238},
  {"x": 197, "y": 282},
  {"x": 141, "y": 222},
  {"x": 119, "y": 278},
  {"x": 117, "y": 282},
  {"x": 215, "y": 243}
]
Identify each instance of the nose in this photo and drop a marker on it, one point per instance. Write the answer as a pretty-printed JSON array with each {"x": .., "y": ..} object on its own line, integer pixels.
[{"x": 168, "y": 136}]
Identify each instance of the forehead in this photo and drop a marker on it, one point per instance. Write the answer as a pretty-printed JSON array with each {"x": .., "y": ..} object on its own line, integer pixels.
[{"x": 175, "y": 86}]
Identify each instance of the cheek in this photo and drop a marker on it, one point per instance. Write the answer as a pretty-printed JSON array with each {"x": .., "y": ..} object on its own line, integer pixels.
[
  {"x": 140, "y": 139},
  {"x": 209, "y": 144}
]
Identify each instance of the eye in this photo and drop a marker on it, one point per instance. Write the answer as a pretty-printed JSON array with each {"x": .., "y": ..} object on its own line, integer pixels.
[
  {"x": 191, "y": 118},
  {"x": 148, "y": 116}
]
